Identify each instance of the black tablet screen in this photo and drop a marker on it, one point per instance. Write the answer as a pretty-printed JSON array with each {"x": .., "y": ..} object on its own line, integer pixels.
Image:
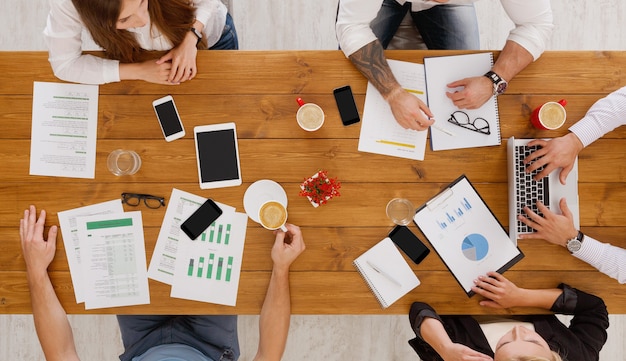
[{"x": 217, "y": 155}]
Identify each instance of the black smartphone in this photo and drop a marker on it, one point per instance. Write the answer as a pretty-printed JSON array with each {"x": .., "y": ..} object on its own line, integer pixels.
[
  {"x": 346, "y": 105},
  {"x": 201, "y": 219},
  {"x": 409, "y": 243}
]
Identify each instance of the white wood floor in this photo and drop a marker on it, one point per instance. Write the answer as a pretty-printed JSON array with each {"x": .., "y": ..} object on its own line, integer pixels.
[{"x": 305, "y": 24}]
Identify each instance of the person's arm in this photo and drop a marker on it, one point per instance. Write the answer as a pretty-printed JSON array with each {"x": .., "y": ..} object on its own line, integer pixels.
[
  {"x": 608, "y": 259},
  {"x": 409, "y": 111},
  {"x": 53, "y": 328},
  {"x": 428, "y": 327},
  {"x": 525, "y": 43},
  {"x": 499, "y": 292},
  {"x": 276, "y": 310},
  {"x": 605, "y": 115},
  {"x": 359, "y": 44}
]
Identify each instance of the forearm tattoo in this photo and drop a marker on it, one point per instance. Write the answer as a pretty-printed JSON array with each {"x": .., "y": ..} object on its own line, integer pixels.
[{"x": 370, "y": 60}]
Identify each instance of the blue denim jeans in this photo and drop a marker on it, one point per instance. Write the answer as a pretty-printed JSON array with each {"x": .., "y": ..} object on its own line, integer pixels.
[
  {"x": 228, "y": 40},
  {"x": 452, "y": 27},
  {"x": 214, "y": 336}
]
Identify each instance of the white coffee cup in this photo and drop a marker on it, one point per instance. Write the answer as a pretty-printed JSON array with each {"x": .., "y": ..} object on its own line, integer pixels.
[
  {"x": 310, "y": 116},
  {"x": 273, "y": 215}
]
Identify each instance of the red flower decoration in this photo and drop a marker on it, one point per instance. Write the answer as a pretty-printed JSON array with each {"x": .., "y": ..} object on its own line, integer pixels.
[{"x": 319, "y": 188}]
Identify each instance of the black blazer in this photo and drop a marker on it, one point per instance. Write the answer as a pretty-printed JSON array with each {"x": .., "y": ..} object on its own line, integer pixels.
[{"x": 581, "y": 341}]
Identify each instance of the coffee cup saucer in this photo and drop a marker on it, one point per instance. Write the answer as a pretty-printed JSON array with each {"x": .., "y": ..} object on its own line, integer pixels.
[{"x": 260, "y": 192}]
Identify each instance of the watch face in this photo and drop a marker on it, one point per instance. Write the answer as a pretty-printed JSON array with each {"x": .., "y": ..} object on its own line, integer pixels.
[
  {"x": 573, "y": 245},
  {"x": 501, "y": 87}
]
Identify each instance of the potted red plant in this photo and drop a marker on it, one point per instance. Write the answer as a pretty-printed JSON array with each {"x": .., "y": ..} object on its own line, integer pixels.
[{"x": 319, "y": 188}]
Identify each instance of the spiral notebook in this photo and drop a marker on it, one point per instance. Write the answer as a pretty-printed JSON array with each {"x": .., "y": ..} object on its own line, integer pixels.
[
  {"x": 460, "y": 128},
  {"x": 386, "y": 272}
]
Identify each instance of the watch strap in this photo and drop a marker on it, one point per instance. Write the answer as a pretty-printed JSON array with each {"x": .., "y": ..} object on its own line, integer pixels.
[{"x": 197, "y": 34}]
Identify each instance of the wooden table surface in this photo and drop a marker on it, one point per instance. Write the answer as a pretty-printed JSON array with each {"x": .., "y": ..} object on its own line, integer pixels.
[{"x": 257, "y": 90}]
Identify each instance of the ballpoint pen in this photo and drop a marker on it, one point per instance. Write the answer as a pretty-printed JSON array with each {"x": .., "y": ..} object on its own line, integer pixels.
[{"x": 385, "y": 274}]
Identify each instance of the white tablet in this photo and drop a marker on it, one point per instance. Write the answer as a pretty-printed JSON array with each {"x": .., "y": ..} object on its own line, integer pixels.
[{"x": 218, "y": 155}]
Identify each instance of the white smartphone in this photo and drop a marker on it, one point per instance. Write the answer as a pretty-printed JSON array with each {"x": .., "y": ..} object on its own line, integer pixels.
[
  {"x": 218, "y": 155},
  {"x": 168, "y": 117}
]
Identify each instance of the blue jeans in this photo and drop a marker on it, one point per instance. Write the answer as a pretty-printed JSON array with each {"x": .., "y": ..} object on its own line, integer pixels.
[
  {"x": 214, "y": 336},
  {"x": 228, "y": 40},
  {"x": 452, "y": 27}
]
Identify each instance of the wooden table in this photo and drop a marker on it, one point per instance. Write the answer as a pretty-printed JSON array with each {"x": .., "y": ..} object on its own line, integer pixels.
[{"x": 257, "y": 90}]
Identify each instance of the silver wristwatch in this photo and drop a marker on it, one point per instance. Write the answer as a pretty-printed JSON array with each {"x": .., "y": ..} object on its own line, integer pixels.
[
  {"x": 499, "y": 84},
  {"x": 574, "y": 244}
]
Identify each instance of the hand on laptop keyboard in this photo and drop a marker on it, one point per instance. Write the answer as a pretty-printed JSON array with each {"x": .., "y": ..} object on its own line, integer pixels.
[
  {"x": 552, "y": 227},
  {"x": 556, "y": 153}
]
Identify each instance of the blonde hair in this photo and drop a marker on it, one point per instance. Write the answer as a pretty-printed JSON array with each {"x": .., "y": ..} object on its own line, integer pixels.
[{"x": 555, "y": 357}]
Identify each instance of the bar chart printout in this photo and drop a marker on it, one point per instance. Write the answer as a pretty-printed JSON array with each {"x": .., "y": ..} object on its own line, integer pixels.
[
  {"x": 211, "y": 267},
  {"x": 208, "y": 269}
]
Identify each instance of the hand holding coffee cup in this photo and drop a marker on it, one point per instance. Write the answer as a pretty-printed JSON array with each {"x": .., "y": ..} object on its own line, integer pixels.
[
  {"x": 550, "y": 115},
  {"x": 273, "y": 216},
  {"x": 310, "y": 116}
]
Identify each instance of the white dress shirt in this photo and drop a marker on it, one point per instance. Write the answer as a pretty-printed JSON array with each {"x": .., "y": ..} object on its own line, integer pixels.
[
  {"x": 66, "y": 35},
  {"x": 608, "y": 259},
  {"x": 533, "y": 22},
  {"x": 605, "y": 115}
]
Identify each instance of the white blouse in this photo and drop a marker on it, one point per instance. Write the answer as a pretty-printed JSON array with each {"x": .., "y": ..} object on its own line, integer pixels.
[{"x": 66, "y": 36}]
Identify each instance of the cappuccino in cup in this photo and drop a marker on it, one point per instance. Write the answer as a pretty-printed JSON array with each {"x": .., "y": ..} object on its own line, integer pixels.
[
  {"x": 273, "y": 215},
  {"x": 310, "y": 117},
  {"x": 550, "y": 115}
]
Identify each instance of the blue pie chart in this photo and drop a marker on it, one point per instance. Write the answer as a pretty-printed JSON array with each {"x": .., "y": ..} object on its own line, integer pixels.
[{"x": 475, "y": 247}]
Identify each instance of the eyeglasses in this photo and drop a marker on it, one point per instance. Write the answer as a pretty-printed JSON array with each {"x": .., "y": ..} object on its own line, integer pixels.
[
  {"x": 133, "y": 199},
  {"x": 461, "y": 119}
]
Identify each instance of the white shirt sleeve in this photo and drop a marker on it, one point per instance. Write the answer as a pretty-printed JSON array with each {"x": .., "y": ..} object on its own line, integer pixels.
[
  {"x": 608, "y": 259},
  {"x": 212, "y": 14},
  {"x": 63, "y": 33},
  {"x": 605, "y": 115},
  {"x": 533, "y": 24},
  {"x": 353, "y": 24}
]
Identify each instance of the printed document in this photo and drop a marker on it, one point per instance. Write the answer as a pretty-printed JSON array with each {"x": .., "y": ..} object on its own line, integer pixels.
[
  {"x": 380, "y": 132},
  {"x": 72, "y": 243},
  {"x": 64, "y": 128},
  {"x": 171, "y": 237},
  {"x": 114, "y": 260}
]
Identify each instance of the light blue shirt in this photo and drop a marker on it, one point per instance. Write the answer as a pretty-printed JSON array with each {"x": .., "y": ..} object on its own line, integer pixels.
[{"x": 172, "y": 352}]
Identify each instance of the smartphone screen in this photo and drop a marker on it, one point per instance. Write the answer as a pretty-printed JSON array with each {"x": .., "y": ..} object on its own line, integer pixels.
[
  {"x": 201, "y": 219},
  {"x": 346, "y": 105},
  {"x": 168, "y": 118},
  {"x": 408, "y": 242}
]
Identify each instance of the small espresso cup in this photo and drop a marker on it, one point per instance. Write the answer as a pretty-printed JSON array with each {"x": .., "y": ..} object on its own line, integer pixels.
[
  {"x": 123, "y": 162},
  {"x": 310, "y": 116},
  {"x": 273, "y": 215},
  {"x": 550, "y": 115}
]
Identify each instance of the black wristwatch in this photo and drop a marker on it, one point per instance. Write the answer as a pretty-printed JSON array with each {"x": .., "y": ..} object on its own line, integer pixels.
[
  {"x": 499, "y": 84},
  {"x": 574, "y": 244},
  {"x": 197, "y": 34}
]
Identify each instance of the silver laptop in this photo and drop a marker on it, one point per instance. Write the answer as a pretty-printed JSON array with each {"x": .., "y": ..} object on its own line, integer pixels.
[{"x": 524, "y": 191}]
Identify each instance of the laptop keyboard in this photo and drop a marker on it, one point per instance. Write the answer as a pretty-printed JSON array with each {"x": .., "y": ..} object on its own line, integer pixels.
[{"x": 528, "y": 190}]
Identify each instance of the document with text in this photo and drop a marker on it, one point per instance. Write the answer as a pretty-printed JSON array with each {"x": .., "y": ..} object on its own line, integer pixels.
[
  {"x": 64, "y": 129},
  {"x": 114, "y": 260},
  {"x": 72, "y": 243}
]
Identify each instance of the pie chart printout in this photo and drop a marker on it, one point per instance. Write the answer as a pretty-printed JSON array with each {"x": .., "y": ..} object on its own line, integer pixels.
[{"x": 475, "y": 247}]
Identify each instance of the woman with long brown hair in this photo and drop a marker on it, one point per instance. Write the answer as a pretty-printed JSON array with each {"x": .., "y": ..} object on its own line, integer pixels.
[{"x": 126, "y": 30}]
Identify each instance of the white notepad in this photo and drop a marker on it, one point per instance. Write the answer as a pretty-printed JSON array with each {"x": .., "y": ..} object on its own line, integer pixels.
[
  {"x": 386, "y": 272},
  {"x": 469, "y": 130}
]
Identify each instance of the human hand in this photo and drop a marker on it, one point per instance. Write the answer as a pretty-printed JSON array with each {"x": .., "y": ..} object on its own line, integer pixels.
[
  {"x": 476, "y": 91},
  {"x": 150, "y": 71},
  {"x": 555, "y": 153},
  {"x": 38, "y": 253},
  {"x": 498, "y": 291},
  {"x": 287, "y": 246},
  {"x": 183, "y": 60},
  {"x": 410, "y": 112},
  {"x": 552, "y": 227},
  {"x": 460, "y": 352}
]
